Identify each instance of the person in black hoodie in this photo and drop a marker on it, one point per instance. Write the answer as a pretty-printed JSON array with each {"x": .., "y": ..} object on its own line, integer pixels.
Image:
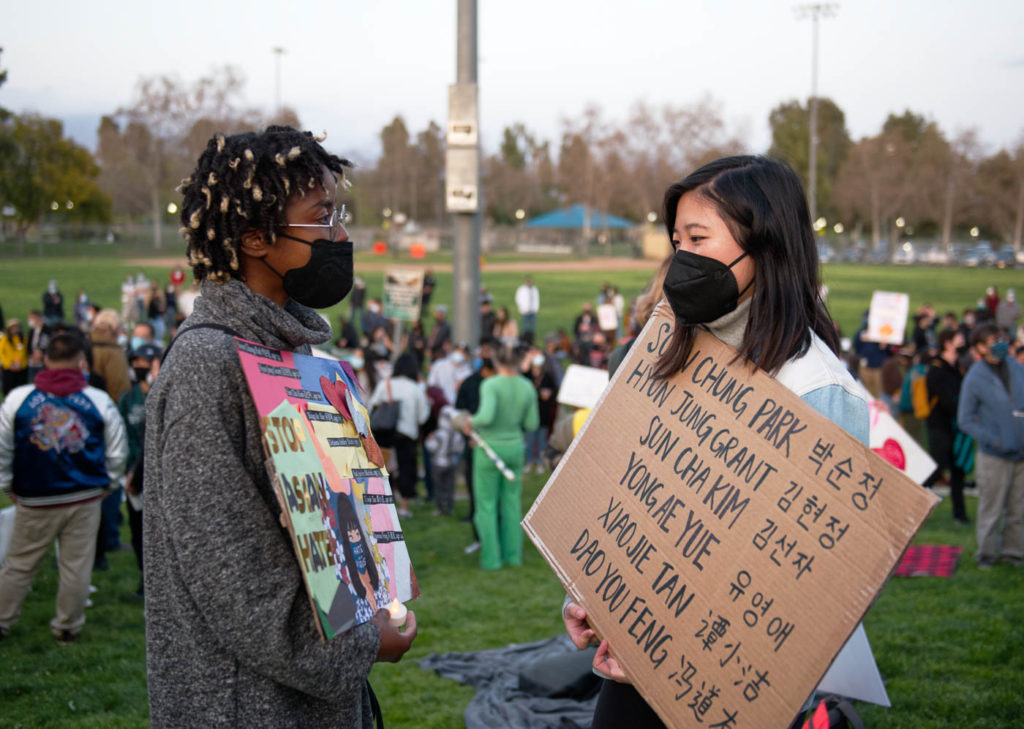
[{"x": 943, "y": 380}]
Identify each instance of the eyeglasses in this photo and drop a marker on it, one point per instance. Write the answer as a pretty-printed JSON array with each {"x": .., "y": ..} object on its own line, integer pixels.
[{"x": 336, "y": 223}]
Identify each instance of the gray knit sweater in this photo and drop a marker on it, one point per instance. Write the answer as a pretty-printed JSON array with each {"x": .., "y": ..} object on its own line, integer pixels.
[{"x": 230, "y": 634}]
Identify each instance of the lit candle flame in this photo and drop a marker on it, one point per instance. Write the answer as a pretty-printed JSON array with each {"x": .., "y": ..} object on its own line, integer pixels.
[{"x": 397, "y": 613}]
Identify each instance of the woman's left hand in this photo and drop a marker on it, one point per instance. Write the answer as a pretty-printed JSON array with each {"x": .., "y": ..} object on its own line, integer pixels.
[{"x": 606, "y": 664}]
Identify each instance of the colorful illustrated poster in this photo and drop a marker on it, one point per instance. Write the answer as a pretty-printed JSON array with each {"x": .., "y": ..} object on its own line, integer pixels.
[{"x": 332, "y": 482}]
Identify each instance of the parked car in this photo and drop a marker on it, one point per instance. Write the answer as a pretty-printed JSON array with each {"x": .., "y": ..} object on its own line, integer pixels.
[
  {"x": 935, "y": 255},
  {"x": 981, "y": 254},
  {"x": 1005, "y": 257},
  {"x": 851, "y": 255},
  {"x": 904, "y": 255}
]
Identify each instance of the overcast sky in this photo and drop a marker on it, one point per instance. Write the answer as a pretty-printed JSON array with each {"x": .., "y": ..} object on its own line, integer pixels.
[{"x": 351, "y": 65}]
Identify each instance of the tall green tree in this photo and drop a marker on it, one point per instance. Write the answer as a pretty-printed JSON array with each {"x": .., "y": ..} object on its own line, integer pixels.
[
  {"x": 41, "y": 168},
  {"x": 428, "y": 204},
  {"x": 790, "y": 125},
  {"x": 396, "y": 166}
]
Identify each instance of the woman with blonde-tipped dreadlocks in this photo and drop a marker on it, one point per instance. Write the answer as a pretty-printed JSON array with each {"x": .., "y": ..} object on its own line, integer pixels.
[{"x": 230, "y": 634}]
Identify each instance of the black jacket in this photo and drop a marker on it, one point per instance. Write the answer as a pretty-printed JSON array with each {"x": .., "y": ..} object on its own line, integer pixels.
[{"x": 943, "y": 381}]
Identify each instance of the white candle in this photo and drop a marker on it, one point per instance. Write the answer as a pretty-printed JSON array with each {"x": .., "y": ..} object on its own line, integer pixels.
[{"x": 397, "y": 611}]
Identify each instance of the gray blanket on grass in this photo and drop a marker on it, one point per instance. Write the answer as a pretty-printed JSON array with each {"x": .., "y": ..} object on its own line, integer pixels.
[{"x": 499, "y": 701}]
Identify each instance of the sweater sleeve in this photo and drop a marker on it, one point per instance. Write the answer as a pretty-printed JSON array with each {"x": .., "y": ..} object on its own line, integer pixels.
[{"x": 220, "y": 528}]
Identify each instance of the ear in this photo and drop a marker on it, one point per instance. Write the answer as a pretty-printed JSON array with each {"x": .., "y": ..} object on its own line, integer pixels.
[{"x": 254, "y": 244}]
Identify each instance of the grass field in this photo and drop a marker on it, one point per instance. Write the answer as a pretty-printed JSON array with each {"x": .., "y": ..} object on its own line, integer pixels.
[
  {"x": 951, "y": 650},
  {"x": 22, "y": 282}
]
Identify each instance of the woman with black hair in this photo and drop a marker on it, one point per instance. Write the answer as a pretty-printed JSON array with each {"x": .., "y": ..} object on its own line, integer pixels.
[
  {"x": 231, "y": 637},
  {"x": 745, "y": 268},
  {"x": 404, "y": 387}
]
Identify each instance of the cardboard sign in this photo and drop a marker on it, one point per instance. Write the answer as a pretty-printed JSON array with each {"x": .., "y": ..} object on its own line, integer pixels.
[
  {"x": 582, "y": 386},
  {"x": 332, "y": 484},
  {"x": 403, "y": 293},
  {"x": 887, "y": 317},
  {"x": 722, "y": 535},
  {"x": 890, "y": 441}
]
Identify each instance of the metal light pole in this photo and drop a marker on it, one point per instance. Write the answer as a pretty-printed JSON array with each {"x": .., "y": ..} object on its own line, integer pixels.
[
  {"x": 462, "y": 178},
  {"x": 278, "y": 52},
  {"x": 814, "y": 11}
]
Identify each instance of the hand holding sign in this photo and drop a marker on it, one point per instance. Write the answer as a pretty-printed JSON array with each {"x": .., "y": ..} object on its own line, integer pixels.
[
  {"x": 576, "y": 625},
  {"x": 605, "y": 663}
]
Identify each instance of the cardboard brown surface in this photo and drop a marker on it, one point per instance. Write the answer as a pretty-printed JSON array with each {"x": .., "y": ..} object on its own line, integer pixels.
[{"x": 697, "y": 521}]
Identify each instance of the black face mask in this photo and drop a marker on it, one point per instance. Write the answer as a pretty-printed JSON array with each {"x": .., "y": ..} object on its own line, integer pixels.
[
  {"x": 141, "y": 373},
  {"x": 701, "y": 289},
  {"x": 325, "y": 280}
]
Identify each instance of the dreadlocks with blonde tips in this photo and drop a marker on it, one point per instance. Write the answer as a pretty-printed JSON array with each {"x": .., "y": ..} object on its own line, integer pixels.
[{"x": 253, "y": 175}]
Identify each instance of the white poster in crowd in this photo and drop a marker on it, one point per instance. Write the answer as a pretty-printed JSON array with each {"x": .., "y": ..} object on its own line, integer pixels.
[
  {"x": 887, "y": 318},
  {"x": 607, "y": 317},
  {"x": 582, "y": 386},
  {"x": 896, "y": 445}
]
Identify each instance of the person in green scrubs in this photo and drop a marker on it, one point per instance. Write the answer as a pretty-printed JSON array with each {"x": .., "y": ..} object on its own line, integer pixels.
[{"x": 508, "y": 408}]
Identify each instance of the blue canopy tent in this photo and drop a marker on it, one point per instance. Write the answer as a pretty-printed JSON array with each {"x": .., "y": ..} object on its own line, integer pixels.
[{"x": 574, "y": 217}]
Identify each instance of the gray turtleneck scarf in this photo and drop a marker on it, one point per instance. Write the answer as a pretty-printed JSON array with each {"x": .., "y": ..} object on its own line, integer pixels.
[{"x": 731, "y": 327}]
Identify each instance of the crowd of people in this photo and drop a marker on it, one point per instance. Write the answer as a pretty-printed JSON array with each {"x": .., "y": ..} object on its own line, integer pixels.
[
  {"x": 429, "y": 372},
  {"x": 484, "y": 413},
  {"x": 952, "y": 385},
  {"x": 115, "y": 356}
]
